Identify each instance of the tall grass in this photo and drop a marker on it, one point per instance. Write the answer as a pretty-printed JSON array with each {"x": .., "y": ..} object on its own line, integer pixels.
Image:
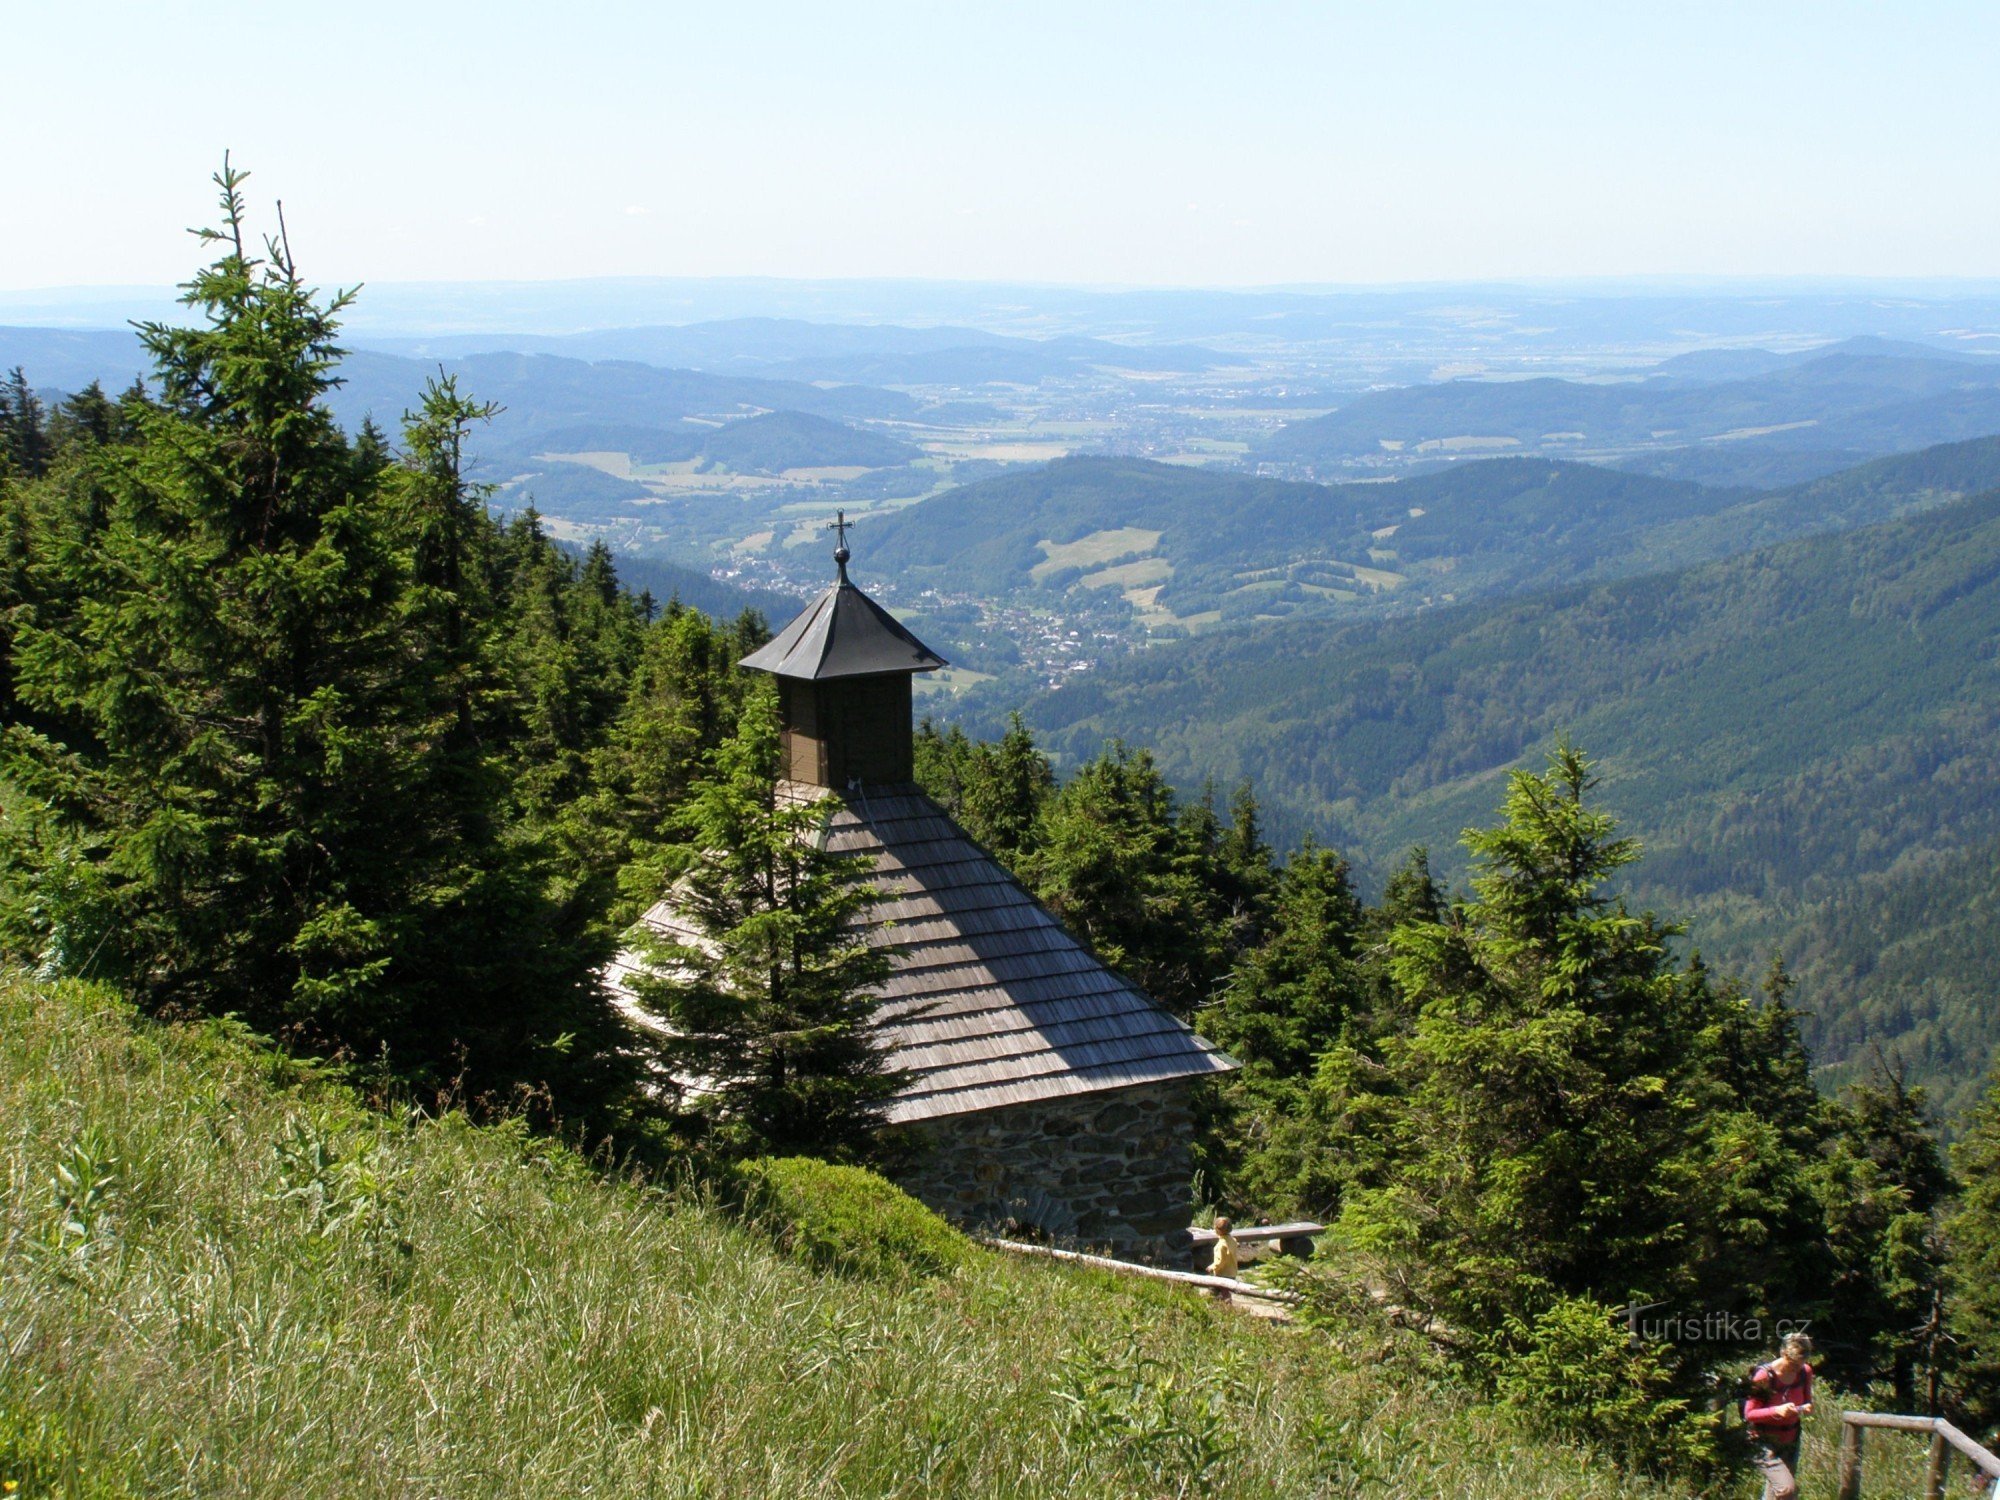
[{"x": 223, "y": 1278}]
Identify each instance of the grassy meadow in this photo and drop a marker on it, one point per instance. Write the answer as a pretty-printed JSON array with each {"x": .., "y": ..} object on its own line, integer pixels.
[{"x": 222, "y": 1276}]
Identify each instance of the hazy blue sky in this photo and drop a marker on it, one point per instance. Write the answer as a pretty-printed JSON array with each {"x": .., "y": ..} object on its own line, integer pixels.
[{"x": 1151, "y": 143}]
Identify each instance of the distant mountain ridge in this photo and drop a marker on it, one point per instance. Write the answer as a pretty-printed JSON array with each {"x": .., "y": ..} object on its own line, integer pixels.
[
  {"x": 856, "y": 353},
  {"x": 68, "y": 359},
  {"x": 1852, "y": 402},
  {"x": 1707, "y": 366},
  {"x": 538, "y": 390}
]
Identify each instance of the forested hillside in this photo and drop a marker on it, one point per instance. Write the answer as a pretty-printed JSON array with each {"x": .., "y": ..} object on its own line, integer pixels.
[
  {"x": 1202, "y": 547},
  {"x": 768, "y": 443},
  {"x": 1803, "y": 737},
  {"x": 658, "y": 584}
]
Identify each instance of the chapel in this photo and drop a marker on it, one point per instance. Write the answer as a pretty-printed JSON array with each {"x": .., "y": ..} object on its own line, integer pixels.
[{"x": 1046, "y": 1092}]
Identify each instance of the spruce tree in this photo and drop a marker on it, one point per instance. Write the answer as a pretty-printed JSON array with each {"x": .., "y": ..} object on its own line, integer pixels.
[
  {"x": 1561, "y": 1119},
  {"x": 1266, "y": 1144},
  {"x": 1118, "y": 861},
  {"x": 1289, "y": 999},
  {"x": 24, "y": 435},
  {"x": 1249, "y": 874},
  {"x": 235, "y": 656},
  {"x": 768, "y": 1001},
  {"x": 1973, "y": 1235},
  {"x": 996, "y": 790},
  {"x": 1880, "y": 1181},
  {"x": 270, "y": 714},
  {"x": 496, "y": 949},
  {"x": 1010, "y": 782},
  {"x": 683, "y": 699}
]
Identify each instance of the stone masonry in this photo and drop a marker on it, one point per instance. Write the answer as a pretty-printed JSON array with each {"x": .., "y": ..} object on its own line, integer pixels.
[{"x": 1107, "y": 1170}]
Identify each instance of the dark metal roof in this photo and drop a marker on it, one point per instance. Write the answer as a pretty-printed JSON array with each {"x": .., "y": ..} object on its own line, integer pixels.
[
  {"x": 843, "y": 633},
  {"x": 991, "y": 1001}
]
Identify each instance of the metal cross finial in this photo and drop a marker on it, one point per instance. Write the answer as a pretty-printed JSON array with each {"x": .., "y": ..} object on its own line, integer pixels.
[{"x": 839, "y": 525}]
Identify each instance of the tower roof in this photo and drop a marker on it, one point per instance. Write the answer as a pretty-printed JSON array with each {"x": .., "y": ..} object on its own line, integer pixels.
[{"x": 843, "y": 633}]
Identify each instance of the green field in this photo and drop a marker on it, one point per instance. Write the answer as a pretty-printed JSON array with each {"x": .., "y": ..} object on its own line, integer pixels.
[{"x": 1092, "y": 550}]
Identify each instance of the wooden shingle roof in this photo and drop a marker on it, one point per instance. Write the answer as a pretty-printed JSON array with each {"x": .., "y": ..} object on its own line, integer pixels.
[{"x": 991, "y": 1001}]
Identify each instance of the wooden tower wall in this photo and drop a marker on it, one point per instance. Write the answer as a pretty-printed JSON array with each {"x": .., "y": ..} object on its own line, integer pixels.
[{"x": 847, "y": 729}]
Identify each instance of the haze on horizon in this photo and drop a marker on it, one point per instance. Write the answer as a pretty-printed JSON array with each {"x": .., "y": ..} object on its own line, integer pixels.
[{"x": 1113, "y": 145}]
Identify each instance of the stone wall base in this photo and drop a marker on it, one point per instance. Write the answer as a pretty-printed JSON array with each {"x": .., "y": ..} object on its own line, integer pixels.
[{"x": 1108, "y": 1171}]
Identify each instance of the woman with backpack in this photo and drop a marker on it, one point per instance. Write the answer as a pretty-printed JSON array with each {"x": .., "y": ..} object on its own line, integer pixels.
[{"x": 1781, "y": 1393}]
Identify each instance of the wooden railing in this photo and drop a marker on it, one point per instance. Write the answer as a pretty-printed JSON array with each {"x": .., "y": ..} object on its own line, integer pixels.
[
  {"x": 1152, "y": 1273},
  {"x": 1945, "y": 1440}
]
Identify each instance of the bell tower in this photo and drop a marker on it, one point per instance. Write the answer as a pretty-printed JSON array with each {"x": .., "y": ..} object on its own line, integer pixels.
[{"x": 844, "y": 668}]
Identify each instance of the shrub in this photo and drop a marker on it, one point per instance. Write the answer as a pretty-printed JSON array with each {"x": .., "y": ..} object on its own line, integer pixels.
[
  {"x": 847, "y": 1219},
  {"x": 1575, "y": 1373}
]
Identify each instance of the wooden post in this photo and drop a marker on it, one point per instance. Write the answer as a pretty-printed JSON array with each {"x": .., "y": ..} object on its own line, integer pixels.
[
  {"x": 1850, "y": 1461},
  {"x": 1939, "y": 1468}
]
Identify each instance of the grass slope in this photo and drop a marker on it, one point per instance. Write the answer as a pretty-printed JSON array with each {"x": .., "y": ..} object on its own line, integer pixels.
[
  {"x": 1807, "y": 738},
  {"x": 263, "y": 1289}
]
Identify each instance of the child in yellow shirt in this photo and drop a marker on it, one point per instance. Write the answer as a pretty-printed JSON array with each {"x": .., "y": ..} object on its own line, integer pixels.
[{"x": 1224, "y": 1263}]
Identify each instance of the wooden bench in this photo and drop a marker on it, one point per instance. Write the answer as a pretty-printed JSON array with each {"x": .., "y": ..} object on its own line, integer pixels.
[{"x": 1290, "y": 1239}]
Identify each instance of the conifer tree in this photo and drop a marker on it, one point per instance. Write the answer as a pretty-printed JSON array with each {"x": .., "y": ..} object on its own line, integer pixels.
[
  {"x": 1410, "y": 894},
  {"x": 1009, "y": 785},
  {"x": 1880, "y": 1181},
  {"x": 1117, "y": 862},
  {"x": 1560, "y": 1120},
  {"x": 1288, "y": 1001},
  {"x": 268, "y": 715},
  {"x": 1973, "y": 1232},
  {"x": 683, "y": 699},
  {"x": 24, "y": 436},
  {"x": 997, "y": 791},
  {"x": 88, "y": 418},
  {"x": 235, "y": 656},
  {"x": 1250, "y": 874},
  {"x": 943, "y": 760},
  {"x": 768, "y": 1002},
  {"x": 496, "y": 952}
]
